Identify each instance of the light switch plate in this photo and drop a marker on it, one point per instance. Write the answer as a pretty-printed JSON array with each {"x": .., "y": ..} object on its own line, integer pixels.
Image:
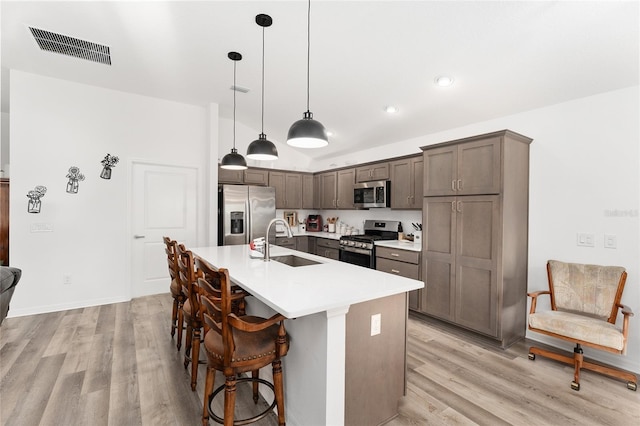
[
  {"x": 610, "y": 241},
  {"x": 586, "y": 240},
  {"x": 376, "y": 323}
]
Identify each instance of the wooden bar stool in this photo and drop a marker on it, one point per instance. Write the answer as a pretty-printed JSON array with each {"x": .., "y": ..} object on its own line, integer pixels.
[
  {"x": 175, "y": 288},
  {"x": 238, "y": 344}
]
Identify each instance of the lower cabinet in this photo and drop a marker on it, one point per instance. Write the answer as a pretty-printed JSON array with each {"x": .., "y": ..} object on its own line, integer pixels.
[
  {"x": 405, "y": 263},
  {"x": 326, "y": 247},
  {"x": 288, "y": 242}
]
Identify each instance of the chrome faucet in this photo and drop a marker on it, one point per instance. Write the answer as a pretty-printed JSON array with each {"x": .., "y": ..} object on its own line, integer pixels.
[{"x": 266, "y": 239}]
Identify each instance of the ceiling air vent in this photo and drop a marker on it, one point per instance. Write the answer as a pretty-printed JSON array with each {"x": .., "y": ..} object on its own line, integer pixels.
[{"x": 72, "y": 46}]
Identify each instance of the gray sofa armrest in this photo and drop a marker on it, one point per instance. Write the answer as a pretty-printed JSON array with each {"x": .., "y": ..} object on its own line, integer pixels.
[{"x": 9, "y": 278}]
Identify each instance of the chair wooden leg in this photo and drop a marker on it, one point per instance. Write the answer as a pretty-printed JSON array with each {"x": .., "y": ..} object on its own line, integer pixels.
[
  {"x": 174, "y": 317},
  {"x": 279, "y": 390},
  {"x": 208, "y": 389},
  {"x": 229, "y": 400},
  {"x": 187, "y": 344},
  {"x": 180, "y": 325},
  {"x": 256, "y": 375},
  {"x": 195, "y": 356},
  {"x": 578, "y": 359}
]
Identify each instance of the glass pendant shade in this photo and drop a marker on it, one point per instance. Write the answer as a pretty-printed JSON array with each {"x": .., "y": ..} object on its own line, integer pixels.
[
  {"x": 307, "y": 133},
  {"x": 233, "y": 161},
  {"x": 262, "y": 149}
]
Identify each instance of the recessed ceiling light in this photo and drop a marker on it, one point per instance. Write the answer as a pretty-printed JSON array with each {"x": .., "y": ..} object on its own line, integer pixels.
[
  {"x": 391, "y": 109},
  {"x": 444, "y": 81}
]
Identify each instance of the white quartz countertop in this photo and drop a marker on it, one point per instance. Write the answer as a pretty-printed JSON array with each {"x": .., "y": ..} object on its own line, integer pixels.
[
  {"x": 330, "y": 235},
  {"x": 298, "y": 291},
  {"x": 400, "y": 245}
]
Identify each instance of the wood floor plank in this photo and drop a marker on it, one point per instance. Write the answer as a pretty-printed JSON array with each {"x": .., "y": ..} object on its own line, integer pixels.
[{"x": 118, "y": 365}]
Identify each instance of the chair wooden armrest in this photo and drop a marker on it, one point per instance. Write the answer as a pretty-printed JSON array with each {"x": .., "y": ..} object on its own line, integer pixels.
[
  {"x": 238, "y": 323},
  {"x": 626, "y": 310},
  {"x": 534, "y": 299}
]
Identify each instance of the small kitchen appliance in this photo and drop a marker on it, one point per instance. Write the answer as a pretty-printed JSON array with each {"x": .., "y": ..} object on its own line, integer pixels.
[
  {"x": 314, "y": 223},
  {"x": 360, "y": 249}
]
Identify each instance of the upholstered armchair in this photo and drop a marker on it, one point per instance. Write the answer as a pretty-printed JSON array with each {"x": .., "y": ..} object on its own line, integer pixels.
[
  {"x": 585, "y": 302},
  {"x": 9, "y": 278}
]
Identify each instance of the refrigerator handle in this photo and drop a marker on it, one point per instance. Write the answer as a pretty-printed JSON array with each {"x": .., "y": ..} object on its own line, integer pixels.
[{"x": 249, "y": 230}]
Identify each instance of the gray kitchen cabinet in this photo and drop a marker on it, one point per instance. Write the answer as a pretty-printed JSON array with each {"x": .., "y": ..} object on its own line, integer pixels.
[
  {"x": 250, "y": 176},
  {"x": 256, "y": 177},
  {"x": 474, "y": 258},
  {"x": 302, "y": 243},
  {"x": 317, "y": 191},
  {"x": 308, "y": 191},
  {"x": 406, "y": 183},
  {"x": 370, "y": 172},
  {"x": 288, "y": 189},
  {"x": 326, "y": 247},
  {"x": 336, "y": 189},
  {"x": 463, "y": 168},
  {"x": 230, "y": 176},
  {"x": 288, "y": 242},
  {"x": 405, "y": 263}
]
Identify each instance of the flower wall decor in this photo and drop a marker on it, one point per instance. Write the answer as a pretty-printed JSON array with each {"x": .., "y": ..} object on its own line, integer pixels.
[
  {"x": 34, "y": 199},
  {"x": 74, "y": 176},
  {"x": 107, "y": 163}
]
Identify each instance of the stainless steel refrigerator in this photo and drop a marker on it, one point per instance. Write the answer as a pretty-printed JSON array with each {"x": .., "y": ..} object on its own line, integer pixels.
[{"x": 244, "y": 213}]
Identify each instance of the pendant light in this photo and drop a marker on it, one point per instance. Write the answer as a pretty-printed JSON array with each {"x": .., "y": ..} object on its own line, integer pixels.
[
  {"x": 308, "y": 133},
  {"x": 233, "y": 160},
  {"x": 262, "y": 148}
]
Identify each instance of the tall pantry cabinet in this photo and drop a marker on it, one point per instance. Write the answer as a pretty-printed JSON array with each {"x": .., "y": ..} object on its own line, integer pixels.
[{"x": 475, "y": 230}]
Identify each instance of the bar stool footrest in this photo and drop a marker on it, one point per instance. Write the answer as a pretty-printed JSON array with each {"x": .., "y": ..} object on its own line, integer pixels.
[{"x": 253, "y": 419}]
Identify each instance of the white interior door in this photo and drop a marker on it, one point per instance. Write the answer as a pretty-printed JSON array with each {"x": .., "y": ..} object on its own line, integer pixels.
[{"x": 164, "y": 203}]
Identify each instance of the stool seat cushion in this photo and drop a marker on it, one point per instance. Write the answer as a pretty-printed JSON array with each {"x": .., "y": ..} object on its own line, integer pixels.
[{"x": 579, "y": 327}]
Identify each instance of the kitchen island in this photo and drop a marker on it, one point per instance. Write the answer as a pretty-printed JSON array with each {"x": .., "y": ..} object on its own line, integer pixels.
[{"x": 336, "y": 371}]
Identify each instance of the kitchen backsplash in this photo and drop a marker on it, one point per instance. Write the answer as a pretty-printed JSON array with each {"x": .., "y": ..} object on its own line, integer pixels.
[{"x": 356, "y": 218}]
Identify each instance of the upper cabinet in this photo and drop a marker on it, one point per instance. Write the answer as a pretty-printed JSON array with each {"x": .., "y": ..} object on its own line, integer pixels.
[
  {"x": 377, "y": 171},
  {"x": 336, "y": 189},
  {"x": 467, "y": 168},
  {"x": 406, "y": 183},
  {"x": 288, "y": 188},
  {"x": 247, "y": 177},
  {"x": 307, "y": 191}
]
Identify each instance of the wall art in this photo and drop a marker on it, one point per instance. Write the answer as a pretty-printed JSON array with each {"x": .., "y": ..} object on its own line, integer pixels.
[
  {"x": 108, "y": 163},
  {"x": 34, "y": 199},
  {"x": 74, "y": 176}
]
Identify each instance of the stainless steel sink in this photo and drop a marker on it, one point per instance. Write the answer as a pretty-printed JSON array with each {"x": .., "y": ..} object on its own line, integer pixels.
[{"x": 293, "y": 260}]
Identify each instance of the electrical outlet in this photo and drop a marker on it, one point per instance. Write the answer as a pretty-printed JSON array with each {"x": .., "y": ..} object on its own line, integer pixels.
[
  {"x": 376, "y": 323},
  {"x": 586, "y": 240},
  {"x": 66, "y": 279},
  {"x": 610, "y": 241}
]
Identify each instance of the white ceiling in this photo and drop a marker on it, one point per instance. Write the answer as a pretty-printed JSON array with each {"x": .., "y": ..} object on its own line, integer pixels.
[{"x": 506, "y": 57}]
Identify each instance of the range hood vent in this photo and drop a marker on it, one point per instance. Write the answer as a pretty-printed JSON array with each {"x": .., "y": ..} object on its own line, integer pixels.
[{"x": 71, "y": 46}]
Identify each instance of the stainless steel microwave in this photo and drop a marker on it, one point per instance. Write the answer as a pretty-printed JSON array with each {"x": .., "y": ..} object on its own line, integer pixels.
[{"x": 372, "y": 194}]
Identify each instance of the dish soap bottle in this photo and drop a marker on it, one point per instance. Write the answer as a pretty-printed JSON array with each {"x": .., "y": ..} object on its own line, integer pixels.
[{"x": 400, "y": 232}]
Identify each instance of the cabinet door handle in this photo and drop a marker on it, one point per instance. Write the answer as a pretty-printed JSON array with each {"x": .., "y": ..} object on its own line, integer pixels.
[
  {"x": 459, "y": 184},
  {"x": 453, "y": 206},
  {"x": 459, "y": 208},
  {"x": 395, "y": 254},
  {"x": 137, "y": 237},
  {"x": 395, "y": 271},
  {"x": 453, "y": 185}
]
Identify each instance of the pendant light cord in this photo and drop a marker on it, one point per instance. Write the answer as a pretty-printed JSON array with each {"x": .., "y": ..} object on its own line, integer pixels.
[
  {"x": 308, "y": 48},
  {"x": 234, "y": 104},
  {"x": 262, "y": 80}
]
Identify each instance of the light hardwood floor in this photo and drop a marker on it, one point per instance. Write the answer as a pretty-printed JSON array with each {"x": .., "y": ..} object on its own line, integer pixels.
[{"x": 117, "y": 365}]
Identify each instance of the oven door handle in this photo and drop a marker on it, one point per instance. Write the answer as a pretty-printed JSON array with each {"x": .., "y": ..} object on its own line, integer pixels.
[{"x": 357, "y": 250}]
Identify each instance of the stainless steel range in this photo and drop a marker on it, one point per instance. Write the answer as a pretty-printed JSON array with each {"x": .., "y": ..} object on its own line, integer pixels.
[{"x": 360, "y": 249}]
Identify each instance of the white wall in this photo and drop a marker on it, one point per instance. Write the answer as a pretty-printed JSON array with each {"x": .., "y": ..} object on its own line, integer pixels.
[
  {"x": 584, "y": 177},
  {"x": 56, "y": 124},
  {"x": 4, "y": 145}
]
